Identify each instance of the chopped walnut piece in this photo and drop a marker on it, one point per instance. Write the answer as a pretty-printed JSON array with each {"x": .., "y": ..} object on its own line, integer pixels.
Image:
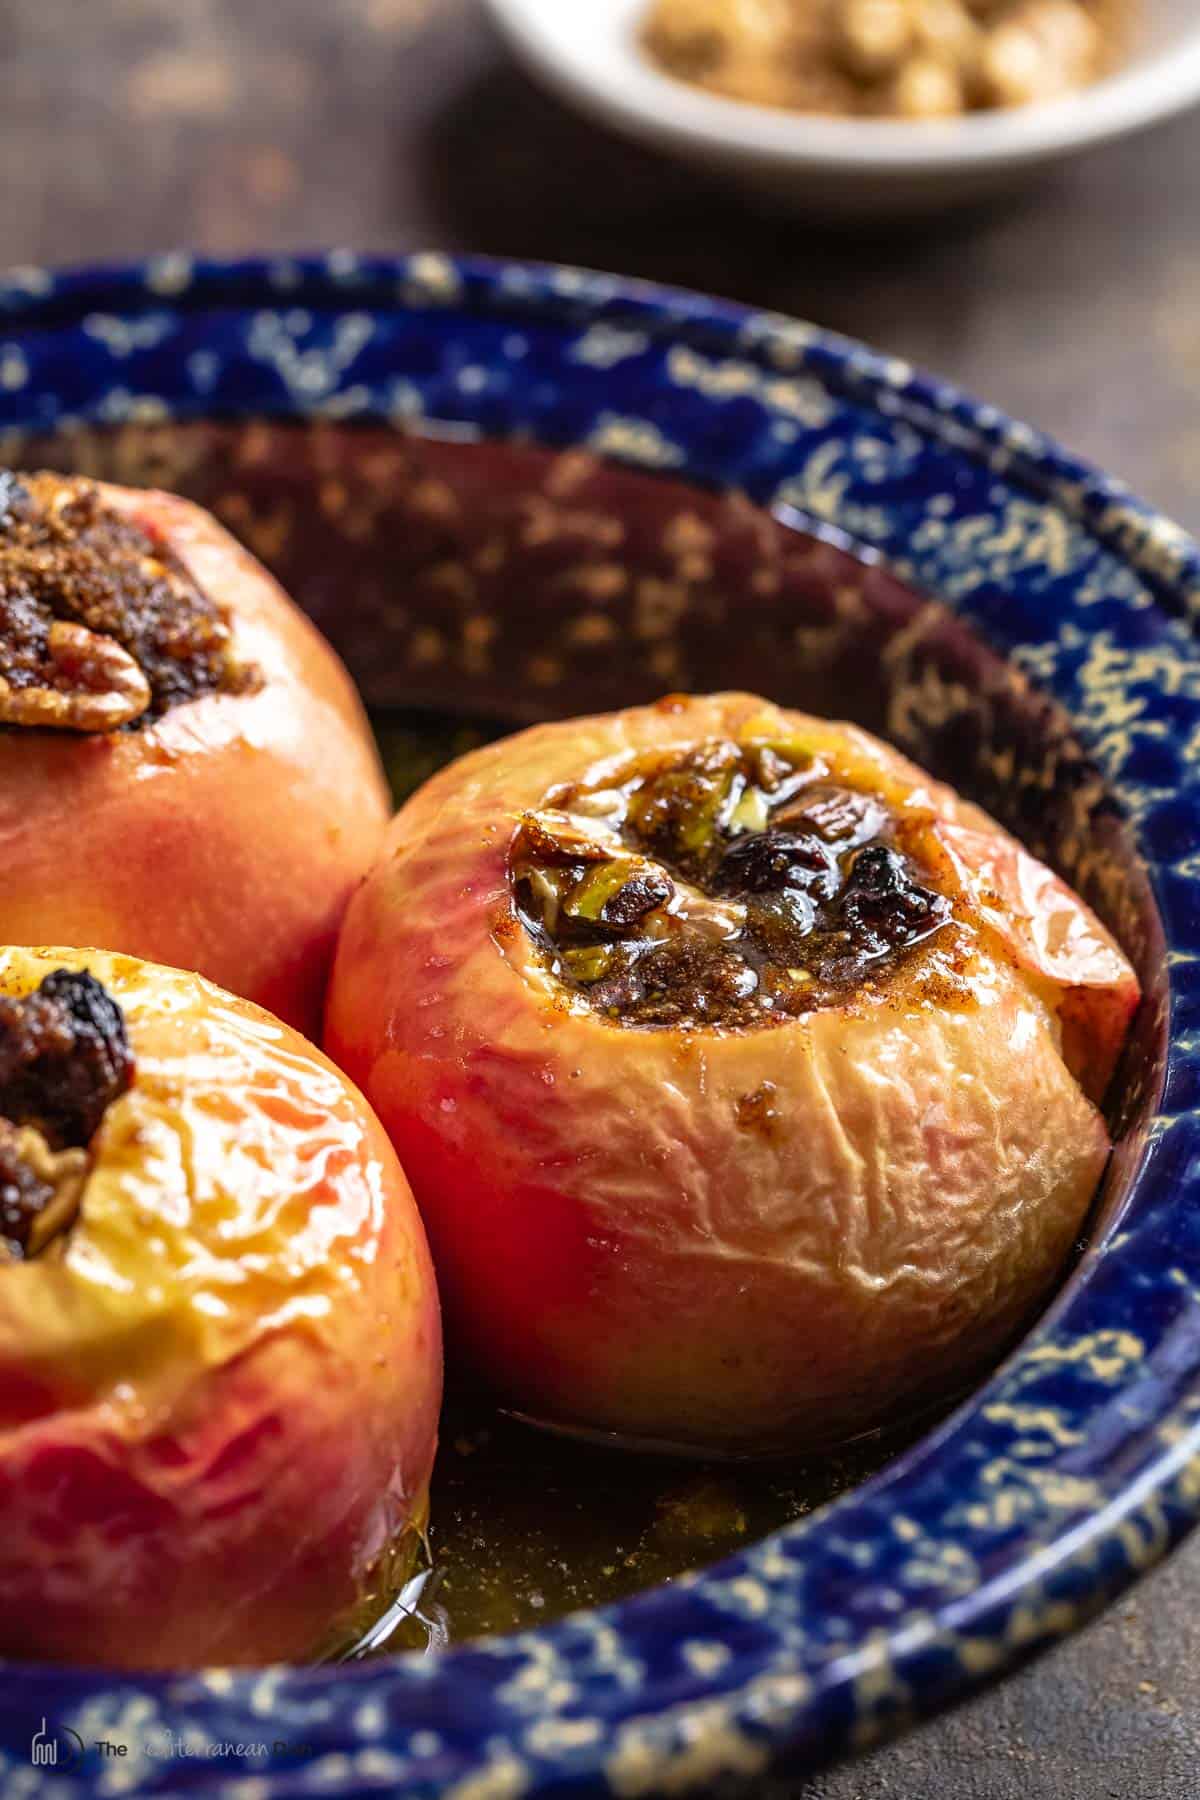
[
  {"x": 1042, "y": 49},
  {"x": 700, "y": 34},
  {"x": 948, "y": 30},
  {"x": 64, "y": 1059},
  {"x": 97, "y": 686},
  {"x": 874, "y": 37},
  {"x": 907, "y": 59},
  {"x": 40, "y": 1191},
  {"x": 927, "y": 87}
]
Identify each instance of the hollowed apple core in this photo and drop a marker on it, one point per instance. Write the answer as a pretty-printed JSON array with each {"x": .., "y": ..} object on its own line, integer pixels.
[
  {"x": 64, "y": 1059},
  {"x": 729, "y": 885}
]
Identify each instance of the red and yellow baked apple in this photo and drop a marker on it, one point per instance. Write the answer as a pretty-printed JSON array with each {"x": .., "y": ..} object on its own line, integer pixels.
[
  {"x": 747, "y": 1079},
  {"x": 186, "y": 773},
  {"x": 220, "y": 1352}
]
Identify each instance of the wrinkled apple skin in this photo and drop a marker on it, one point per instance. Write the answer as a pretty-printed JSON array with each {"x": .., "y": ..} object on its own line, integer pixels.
[
  {"x": 616, "y": 1252},
  {"x": 226, "y": 836},
  {"x": 218, "y": 1404}
]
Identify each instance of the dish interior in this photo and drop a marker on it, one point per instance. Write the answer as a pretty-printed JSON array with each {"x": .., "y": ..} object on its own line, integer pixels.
[{"x": 476, "y": 587}]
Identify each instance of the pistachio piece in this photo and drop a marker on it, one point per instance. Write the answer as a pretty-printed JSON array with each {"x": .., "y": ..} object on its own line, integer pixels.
[
  {"x": 589, "y": 963},
  {"x": 678, "y": 807},
  {"x": 751, "y": 813},
  {"x": 620, "y": 893}
]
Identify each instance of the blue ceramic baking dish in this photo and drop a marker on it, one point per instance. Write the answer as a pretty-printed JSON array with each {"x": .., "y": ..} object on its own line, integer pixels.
[{"x": 1056, "y": 679}]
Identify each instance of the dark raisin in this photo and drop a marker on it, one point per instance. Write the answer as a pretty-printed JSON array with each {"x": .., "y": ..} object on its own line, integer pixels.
[
  {"x": 764, "y": 862},
  {"x": 64, "y": 1057},
  {"x": 884, "y": 906}
]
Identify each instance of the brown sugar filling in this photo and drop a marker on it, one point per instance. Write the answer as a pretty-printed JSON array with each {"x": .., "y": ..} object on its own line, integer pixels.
[
  {"x": 729, "y": 886},
  {"x": 64, "y": 1059},
  {"x": 101, "y": 626}
]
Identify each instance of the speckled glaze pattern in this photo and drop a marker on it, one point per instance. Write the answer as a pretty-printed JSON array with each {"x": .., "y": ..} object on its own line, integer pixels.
[{"x": 1078, "y": 1465}]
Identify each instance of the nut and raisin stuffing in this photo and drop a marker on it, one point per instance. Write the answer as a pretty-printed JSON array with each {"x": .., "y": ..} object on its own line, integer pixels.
[
  {"x": 732, "y": 885},
  {"x": 915, "y": 59},
  {"x": 100, "y": 625},
  {"x": 64, "y": 1059}
]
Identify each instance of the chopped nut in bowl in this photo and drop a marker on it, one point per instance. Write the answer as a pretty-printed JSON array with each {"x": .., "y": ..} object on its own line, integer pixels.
[
  {"x": 842, "y": 108},
  {"x": 915, "y": 59}
]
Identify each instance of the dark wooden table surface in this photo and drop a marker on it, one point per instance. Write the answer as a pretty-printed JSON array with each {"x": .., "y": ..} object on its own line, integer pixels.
[{"x": 235, "y": 125}]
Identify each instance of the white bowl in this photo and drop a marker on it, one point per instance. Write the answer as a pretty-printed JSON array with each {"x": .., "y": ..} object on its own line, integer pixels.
[{"x": 588, "y": 51}]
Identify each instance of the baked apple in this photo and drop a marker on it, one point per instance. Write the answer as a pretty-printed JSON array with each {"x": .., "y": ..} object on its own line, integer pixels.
[
  {"x": 220, "y": 1353},
  {"x": 747, "y": 1079},
  {"x": 185, "y": 770}
]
